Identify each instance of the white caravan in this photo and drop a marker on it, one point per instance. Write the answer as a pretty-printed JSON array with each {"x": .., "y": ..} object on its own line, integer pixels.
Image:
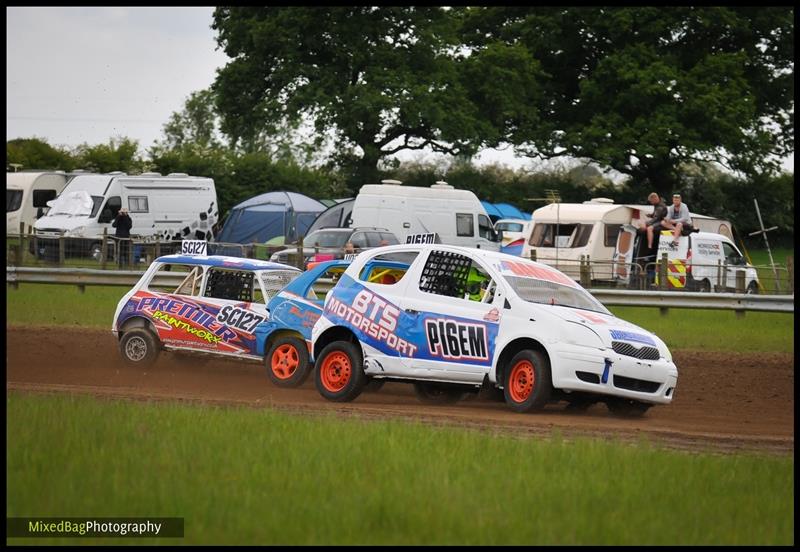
[
  {"x": 27, "y": 194},
  {"x": 457, "y": 216},
  {"x": 172, "y": 207},
  {"x": 563, "y": 233}
]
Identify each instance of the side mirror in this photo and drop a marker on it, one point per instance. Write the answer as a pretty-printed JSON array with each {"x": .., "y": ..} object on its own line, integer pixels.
[{"x": 498, "y": 234}]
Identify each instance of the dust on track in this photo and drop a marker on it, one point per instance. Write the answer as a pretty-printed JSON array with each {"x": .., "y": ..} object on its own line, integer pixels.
[{"x": 724, "y": 402}]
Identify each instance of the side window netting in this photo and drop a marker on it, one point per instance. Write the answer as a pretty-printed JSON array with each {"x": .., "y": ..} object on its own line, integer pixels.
[
  {"x": 445, "y": 273},
  {"x": 232, "y": 285}
]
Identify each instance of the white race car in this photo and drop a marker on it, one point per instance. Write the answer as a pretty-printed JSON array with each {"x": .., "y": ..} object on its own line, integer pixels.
[{"x": 452, "y": 320}]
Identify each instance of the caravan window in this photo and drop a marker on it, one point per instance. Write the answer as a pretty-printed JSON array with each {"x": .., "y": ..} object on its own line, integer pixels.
[
  {"x": 610, "y": 234},
  {"x": 138, "y": 204},
  {"x": 561, "y": 235},
  {"x": 41, "y": 197},
  {"x": 13, "y": 200},
  {"x": 465, "y": 226}
]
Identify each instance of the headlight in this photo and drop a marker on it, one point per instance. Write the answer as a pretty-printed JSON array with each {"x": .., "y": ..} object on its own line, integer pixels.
[{"x": 578, "y": 334}]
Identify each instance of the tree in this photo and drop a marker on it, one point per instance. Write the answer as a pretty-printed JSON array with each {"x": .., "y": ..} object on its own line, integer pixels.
[
  {"x": 380, "y": 80},
  {"x": 119, "y": 154},
  {"x": 645, "y": 89},
  {"x": 196, "y": 124},
  {"x": 35, "y": 153}
]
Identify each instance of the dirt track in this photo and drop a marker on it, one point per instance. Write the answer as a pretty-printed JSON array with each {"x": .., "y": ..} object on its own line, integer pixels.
[{"x": 724, "y": 402}]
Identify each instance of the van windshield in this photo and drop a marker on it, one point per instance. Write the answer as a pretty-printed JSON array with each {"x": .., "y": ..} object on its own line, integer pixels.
[
  {"x": 509, "y": 226},
  {"x": 544, "y": 292},
  {"x": 75, "y": 204},
  {"x": 13, "y": 200}
]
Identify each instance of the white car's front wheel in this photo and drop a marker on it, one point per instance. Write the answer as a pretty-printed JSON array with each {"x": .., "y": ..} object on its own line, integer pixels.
[{"x": 528, "y": 384}]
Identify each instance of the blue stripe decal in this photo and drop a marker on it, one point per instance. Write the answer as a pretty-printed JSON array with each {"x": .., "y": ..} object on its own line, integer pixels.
[{"x": 630, "y": 336}]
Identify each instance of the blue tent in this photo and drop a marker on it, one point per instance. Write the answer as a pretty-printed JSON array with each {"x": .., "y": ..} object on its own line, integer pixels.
[
  {"x": 509, "y": 211},
  {"x": 269, "y": 216},
  {"x": 497, "y": 211}
]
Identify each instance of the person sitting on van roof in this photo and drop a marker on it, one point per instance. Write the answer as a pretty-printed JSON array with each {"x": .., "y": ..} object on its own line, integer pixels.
[
  {"x": 656, "y": 218},
  {"x": 677, "y": 218}
]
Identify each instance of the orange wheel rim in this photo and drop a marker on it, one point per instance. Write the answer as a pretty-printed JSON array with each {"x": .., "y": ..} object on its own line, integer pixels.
[
  {"x": 285, "y": 361},
  {"x": 520, "y": 385},
  {"x": 335, "y": 371}
]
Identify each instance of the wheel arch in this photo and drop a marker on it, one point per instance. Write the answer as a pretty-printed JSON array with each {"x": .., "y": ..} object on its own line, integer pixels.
[
  {"x": 512, "y": 348},
  {"x": 284, "y": 332},
  {"x": 137, "y": 322},
  {"x": 335, "y": 333}
]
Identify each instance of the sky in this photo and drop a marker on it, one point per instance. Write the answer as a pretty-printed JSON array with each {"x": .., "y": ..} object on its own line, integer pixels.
[{"x": 85, "y": 75}]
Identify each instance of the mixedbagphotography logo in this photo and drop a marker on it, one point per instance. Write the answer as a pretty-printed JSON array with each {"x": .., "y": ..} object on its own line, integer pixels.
[{"x": 94, "y": 527}]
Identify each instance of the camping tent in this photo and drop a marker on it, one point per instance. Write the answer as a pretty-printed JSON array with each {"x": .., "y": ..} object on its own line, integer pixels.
[
  {"x": 269, "y": 217},
  {"x": 497, "y": 211}
]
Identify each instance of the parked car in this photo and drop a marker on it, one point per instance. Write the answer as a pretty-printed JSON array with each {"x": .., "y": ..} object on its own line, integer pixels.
[
  {"x": 329, "y": 243},
  {"x": 211, "y": 305},
  {"x": 457, "y": 319},
  {"x": 514, "y": 232}
]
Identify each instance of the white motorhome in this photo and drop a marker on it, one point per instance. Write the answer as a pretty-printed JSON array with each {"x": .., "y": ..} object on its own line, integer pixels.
[
  {"x": 457, "y": 216},
  {"x": 27, "y": 194},
  {"x": 563, "y": 233},
  {"x": 172, "y": 207}
]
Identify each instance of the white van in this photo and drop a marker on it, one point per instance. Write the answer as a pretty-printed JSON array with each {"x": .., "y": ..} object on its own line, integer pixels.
[
  {"x": 171, "y": 207},
  {"x": 457, "y": 216},
  {"x": 27, "y": 194},
  {"x": 702, "y": 261},
  {"x": 564, "y": 232}
]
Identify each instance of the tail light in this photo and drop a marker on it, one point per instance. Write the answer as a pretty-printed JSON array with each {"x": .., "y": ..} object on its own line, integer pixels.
[{"x": 689, "y": 261}]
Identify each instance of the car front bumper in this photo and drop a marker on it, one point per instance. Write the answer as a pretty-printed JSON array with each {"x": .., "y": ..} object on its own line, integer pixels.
[{"x": 606, "y": 372}]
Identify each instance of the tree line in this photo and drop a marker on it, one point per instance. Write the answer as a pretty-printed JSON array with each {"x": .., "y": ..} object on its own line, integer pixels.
[{"x": 240, "y": 175}]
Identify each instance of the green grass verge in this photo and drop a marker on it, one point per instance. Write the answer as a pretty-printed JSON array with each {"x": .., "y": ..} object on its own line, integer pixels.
[
  {"x": 715, "y": 330},
  {"x": 38, "y": 304},
  {"x": 241, "y": 476}
]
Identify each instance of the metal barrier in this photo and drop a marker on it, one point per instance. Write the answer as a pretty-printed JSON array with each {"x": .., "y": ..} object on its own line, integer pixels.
[
  {"x": 664, "y": 300},
  {"x": 109, "y": 252}
]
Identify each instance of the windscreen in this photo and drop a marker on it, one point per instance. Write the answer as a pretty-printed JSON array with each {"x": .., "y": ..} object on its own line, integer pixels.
[
  {"x": 322, "y": 238},
  {"x": 551, "y": 293},
  {"x": 72, "y": 203},
  {"x": 509, "y": 226}
]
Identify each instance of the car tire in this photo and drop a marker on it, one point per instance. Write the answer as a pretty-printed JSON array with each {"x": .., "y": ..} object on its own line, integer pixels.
[
  {"x": 374, "y": 384},
  {"x": 95, "y": 251},
  {"x": 528, "y": 383},
  {"x": 139, "y": 347},
  {"x": 752, "y": 288},
  {"x": 287, "y": 362},
  {"x": 627, "y": 408},
  {"x": 339, "y": 374},
  {"x": 704, "y": 286}
]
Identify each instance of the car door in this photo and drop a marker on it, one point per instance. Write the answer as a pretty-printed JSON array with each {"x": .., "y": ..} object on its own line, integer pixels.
[{"x": 449, "y": 314}]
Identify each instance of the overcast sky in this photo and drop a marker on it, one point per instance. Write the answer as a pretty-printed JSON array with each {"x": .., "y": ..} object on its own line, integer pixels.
[{"x": 76, "y": 75}]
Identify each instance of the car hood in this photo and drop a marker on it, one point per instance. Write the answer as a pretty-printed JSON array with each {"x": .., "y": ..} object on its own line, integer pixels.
[
  {"x": 61, "y": 222},
  {"x": 610, "y": 328}
]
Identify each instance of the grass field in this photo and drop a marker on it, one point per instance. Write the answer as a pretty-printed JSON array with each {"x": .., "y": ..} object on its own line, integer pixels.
[
  {"x": 38, "y": 304},
  {"x": 241, "y": 475}
]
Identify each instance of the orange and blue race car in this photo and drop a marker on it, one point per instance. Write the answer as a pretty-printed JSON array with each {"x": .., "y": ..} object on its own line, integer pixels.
[{"x": 226, "y": 307}]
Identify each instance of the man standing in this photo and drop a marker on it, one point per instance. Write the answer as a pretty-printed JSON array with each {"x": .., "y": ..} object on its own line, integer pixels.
[
  {"x": 656, "y": 218},
  {"x": 677, "y": 218},
  {"x": 123, "y": 224}
]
